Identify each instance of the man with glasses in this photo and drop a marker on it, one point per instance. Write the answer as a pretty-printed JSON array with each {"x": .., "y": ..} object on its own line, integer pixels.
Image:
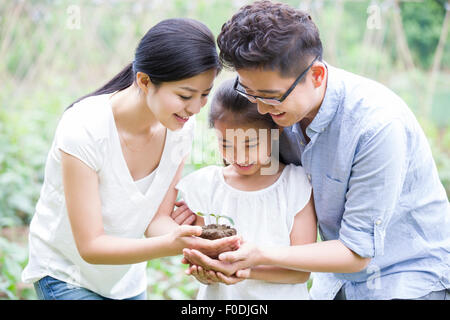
[{"x": 383, "y": 214}]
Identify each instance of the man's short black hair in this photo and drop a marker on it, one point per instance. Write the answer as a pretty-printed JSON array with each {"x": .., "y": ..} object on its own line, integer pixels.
[{"x": 272, "y": 36}]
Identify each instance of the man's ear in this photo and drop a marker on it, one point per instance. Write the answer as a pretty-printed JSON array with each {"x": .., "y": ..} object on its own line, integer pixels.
[
  {"x": 143, "y": 81},
  {"x": 318, "y": 71}
]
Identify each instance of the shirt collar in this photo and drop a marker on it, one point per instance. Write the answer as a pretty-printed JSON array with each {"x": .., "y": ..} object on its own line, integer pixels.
[{"x": 330, "y": 103}]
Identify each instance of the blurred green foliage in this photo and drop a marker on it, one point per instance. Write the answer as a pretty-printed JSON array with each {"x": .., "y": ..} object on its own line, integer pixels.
[{"x": 47, "y": 63}]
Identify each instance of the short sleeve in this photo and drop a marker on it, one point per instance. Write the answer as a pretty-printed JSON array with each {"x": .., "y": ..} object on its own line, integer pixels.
[
  {"x": 298, "y": 190},
  {"x": 374, "y": 189},
  {"x": 192, "y": 190},
  {"x": 73, "y": 137}
]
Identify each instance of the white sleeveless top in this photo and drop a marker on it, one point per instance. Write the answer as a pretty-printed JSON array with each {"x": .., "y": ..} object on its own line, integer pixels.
[
  {"x": 264, "y": 217},
  {"x": 88, "y": 132}
]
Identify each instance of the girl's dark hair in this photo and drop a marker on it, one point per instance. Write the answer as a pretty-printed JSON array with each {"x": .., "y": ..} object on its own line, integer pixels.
[
  {"x": 271, "y": 36},
  {"x": 227, "y": 104},
  {"x": 172, "y": 50}
]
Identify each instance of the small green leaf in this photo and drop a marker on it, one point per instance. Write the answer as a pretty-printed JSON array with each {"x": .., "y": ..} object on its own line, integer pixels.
[
  {"x": 229, "y": 219},
  {"x": 199, "y": 214}
]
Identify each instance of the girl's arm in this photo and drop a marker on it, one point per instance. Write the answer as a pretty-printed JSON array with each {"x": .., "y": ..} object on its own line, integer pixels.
[{"x": 84, "y": 210}]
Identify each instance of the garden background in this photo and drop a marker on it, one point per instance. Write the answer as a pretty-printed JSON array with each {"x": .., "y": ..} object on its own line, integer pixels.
[{"x": 52, "y": 52}]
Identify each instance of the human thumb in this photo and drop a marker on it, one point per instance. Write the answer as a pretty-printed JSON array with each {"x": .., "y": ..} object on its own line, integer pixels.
[
  {"x": 244, "y": 273},
  {"x": 230, "y": 256},
  {"x": 186, "y": 230}
]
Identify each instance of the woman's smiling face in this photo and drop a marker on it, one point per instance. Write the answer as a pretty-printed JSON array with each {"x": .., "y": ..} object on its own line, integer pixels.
[{"x": 172, "y": 103}]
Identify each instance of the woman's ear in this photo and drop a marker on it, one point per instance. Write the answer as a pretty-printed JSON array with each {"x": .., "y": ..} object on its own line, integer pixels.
[{"x": 143, "y": 81}]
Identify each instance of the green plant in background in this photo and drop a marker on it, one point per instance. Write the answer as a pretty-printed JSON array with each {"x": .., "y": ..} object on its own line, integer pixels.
[
  {"x": 13, "y": 259},
  {"x": 166, "y": 280}
]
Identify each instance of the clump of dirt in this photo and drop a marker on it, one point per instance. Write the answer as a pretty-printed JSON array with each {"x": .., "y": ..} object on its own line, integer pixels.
[{"x": 217, "y": 231}]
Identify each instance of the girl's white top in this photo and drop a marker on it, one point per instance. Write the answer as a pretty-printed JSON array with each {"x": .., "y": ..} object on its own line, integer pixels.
[
  {"x": 264, "y": 217},
  {"x": 88, "y": 132}
]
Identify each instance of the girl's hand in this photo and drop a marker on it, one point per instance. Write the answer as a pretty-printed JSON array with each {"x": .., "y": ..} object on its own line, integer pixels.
[
  {"x": 198, "y": 273},
  {"x": 196, "y": 257},
  {"x": 209, "y": 276},
  {"x": 244, "y": 274},
  {"x": 183, "y": 215},
  {"x": 229, "y": 262}
]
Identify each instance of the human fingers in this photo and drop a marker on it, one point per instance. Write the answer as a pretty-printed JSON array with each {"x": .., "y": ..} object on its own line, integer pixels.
[
  {"x": 243, "y": 273},
  {"x": 181, "y": 217},
  {"x": 186, "y": 231},
  {"x": 200, "y": 259},
  {"x": 228, "y": 279},
  {"x": 185, "y": 261},
  {"x": 213, "y": 248},
  {"x": 175, "y": 213},
  {"x": 197, "y": 273},
  {"x": 180, "y": 203}
]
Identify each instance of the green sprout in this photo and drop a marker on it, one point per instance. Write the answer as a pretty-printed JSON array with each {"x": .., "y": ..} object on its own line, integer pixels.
[{"x": 216, "y": 216}]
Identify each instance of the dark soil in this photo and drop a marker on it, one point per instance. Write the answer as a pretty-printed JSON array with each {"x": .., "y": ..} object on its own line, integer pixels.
[{"x": 214, "y": 231}]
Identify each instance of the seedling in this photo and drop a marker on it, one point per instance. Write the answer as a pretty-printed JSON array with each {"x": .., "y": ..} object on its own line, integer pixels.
[
  {"x": 216, "y": 231},
  {"x": 216, "y": 216}
]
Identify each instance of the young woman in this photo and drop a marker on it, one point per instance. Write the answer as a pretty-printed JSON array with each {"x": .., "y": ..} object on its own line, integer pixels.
[{"x": 115, "y": 159}]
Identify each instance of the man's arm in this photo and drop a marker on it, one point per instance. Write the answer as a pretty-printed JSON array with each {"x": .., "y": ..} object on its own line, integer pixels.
[{"x": 374, "y": 188}]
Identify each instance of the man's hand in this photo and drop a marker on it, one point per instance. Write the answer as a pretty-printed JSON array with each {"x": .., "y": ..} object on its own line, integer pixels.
[
  {"x": 248, "y": 255},
  {"x": 183, "y": 215}
]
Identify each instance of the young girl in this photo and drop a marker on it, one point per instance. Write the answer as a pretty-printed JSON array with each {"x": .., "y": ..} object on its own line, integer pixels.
[
  {"x": 269, "y": 207},
  {"x": 115, "y": 159}
]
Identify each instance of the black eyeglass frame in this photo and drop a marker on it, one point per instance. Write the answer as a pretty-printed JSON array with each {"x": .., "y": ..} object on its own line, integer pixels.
[{"x": 285, "y": 95}]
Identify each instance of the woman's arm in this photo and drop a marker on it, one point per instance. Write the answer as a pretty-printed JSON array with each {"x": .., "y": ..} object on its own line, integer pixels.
[
  {"x": 162, "y": 222},
  {"x": 84, "y": 209}
]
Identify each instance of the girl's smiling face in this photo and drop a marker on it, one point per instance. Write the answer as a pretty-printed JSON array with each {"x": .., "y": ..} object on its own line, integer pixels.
[{"x": 246, "y": 147}]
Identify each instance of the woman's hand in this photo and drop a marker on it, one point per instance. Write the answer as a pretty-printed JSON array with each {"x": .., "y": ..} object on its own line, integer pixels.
[
  {"x": 183, "y": 215},
  {"x": 187, "y": 237}
]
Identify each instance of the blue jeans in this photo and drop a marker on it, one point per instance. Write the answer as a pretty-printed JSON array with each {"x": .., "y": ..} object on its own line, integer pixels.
[{"x": 49, "y": 288}]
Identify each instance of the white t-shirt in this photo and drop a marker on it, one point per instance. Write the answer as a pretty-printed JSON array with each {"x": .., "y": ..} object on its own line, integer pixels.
[
  {"x": 145, "y": 183},
  {"x": 264, "y": 217},
  {"x": 88, "y": 132}
]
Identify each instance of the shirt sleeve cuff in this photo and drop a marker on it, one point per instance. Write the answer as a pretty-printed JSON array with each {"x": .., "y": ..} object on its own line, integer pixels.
[{"x": 360, "y": 242}]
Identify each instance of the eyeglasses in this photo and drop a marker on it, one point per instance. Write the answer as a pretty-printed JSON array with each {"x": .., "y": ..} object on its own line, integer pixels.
[{"x": 271, "y": 101}]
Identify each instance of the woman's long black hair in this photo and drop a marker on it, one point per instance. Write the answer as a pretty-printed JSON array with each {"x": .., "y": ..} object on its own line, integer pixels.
[{"x": 172, "y": 50}]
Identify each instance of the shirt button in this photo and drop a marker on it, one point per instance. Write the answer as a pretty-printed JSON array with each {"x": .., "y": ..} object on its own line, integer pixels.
[{"x": 378, "y": 222}]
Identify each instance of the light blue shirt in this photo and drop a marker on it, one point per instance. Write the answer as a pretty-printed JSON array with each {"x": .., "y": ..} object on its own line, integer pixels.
[{"x": 376, "y": 189}]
